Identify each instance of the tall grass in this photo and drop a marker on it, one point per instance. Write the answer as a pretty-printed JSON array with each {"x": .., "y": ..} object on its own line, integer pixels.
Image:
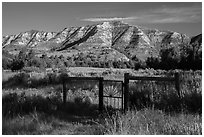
[
  {"x": 25, "y": 124},
  {"x": 163, "y": 95},
  {"x": 36, "y": 114},
  {"x": 152, "y": 122},
  {"x": 142, "y": 122},
  {"x": 42, "y": 112}
]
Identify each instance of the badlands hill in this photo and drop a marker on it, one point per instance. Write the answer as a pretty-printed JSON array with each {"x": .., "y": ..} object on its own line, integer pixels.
[{"x": 106, "y": 41}]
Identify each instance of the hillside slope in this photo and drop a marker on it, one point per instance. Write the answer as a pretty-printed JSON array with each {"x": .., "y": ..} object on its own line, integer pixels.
[{"x": 108, "y": 40}]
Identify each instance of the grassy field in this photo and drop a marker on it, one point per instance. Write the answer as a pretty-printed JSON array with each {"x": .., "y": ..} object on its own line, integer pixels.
[
  {"x": 32, "y": 104},
  {"x": 33, "y": 113},
  {"x": 143, "y": 122}
]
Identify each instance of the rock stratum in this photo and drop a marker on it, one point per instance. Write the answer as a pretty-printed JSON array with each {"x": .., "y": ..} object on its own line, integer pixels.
[{"x": 109, "y": 40}]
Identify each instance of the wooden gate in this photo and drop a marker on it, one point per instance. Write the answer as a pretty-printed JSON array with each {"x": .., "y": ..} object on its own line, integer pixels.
[{"x": 113, "y": 95}]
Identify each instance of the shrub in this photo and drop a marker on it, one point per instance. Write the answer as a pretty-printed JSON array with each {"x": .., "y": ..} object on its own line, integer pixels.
[
  {"x": 151, "y": 122},
  {"x": 87, "y": 101},
  {"x": 14, "y": 104},
  {"x": 78, "y": 100},
  {"x": 17, "y": 65},
  {"x": 193, "y": 102},
  {"x": 6, "y": 63},
  {"x": 52, "y": 78}
]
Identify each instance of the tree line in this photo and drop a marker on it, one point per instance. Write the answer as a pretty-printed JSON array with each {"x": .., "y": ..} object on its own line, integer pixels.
[{"x": 186, "y": 58}]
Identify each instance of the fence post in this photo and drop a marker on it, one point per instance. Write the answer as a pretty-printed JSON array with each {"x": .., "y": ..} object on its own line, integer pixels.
[
  {"x": 64, "y": 90},
  {"x": 101, "y": 94},
  {"x": 177, "y": 83},
  {"x": 126, "y": 91}
]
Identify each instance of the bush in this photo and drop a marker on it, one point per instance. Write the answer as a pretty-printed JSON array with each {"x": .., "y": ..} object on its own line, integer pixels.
[
  {"x": 17, "y": 65},
  {"x": 14, "y": 104},
  {"x": 52, "y": 78},
  {"x": 6, "y": 63},
  {"x": 153, "y": 62},
  {"x": 193, "y": 102}
]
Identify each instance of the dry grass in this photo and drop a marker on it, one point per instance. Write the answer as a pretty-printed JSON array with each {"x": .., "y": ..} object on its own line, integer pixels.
[
  {"x": 39, "y": 111},
  {"x": 152, "y": 122},
  {"x": 46, "y": 124},
  {"x": 143, "y": 122}
]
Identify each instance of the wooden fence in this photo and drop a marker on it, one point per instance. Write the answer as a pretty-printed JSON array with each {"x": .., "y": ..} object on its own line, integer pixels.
[
  {"x": 125, "y": 86},
  {"x": 127, "y": 78},
  {"x": 99, "y": 79}
]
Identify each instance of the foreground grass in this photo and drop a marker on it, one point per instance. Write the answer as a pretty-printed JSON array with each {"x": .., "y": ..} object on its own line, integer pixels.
[
  {"x": 35, "y": 109},
  {"x": 153, "y": 122},
  {"x": 44, "y": 124},
  {"x": 142, "y": 122}
]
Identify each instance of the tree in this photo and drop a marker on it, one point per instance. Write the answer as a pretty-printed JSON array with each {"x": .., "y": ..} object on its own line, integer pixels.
[
  {"x": 115, "y": 64},
  {"x": 47, "y": 61},
  {"x": 130, "y": 64},
  {"x": 31, "y": 54},
  {"x": 138, "y": 64},
  {"x": 109, "y": 64},
  {"x": 22, "y": 55},
  {"x": 192, "y": 57},
  {"x": 17, "y": 65},
  {"x": 153, "y": 62},
  {"x": 6, "y": 63},
  {"x": 169, "y": 59}
]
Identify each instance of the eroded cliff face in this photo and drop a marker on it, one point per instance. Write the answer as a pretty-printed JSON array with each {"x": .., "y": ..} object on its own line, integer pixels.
[
  {"x": 116, "y": 38},
  {"x": 29, "y": 38}
]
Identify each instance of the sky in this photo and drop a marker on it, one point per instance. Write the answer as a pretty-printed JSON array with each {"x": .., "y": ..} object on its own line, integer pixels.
[{"x": 183, "y": 17}]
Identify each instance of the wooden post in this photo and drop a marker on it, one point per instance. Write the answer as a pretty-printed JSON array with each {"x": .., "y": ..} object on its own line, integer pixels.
[
  {"x": 64, "y": 91},
  {"x": 126, "y": 91},
  {"x": 122, "y": 106},
  {"x": 101, "y": 94},
  {"x": 177, "y": 84}
]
